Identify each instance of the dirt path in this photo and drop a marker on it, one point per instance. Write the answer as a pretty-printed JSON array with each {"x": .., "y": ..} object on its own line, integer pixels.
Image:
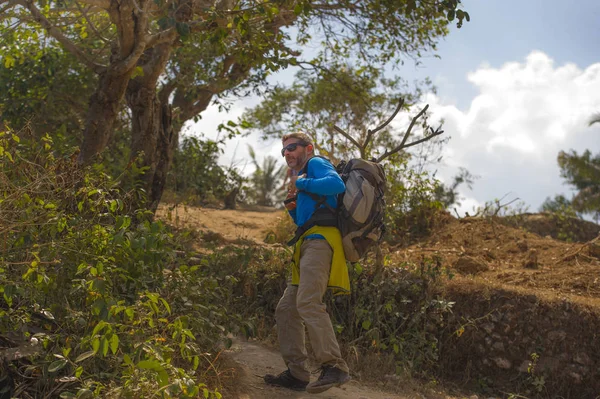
[
  {"x": 245, "y": 224},
  {"x": 256, "y": 360}
]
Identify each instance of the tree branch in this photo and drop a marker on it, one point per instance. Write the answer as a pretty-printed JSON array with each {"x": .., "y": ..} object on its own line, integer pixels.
[
  {"x": 105, "y": 4},
  {"x": 165, "y": 36},
  {"x": 89, "y": 21},
  {"x": 370, "y": 132},
  {"x": 437, "y": 132},
  {"x": 346, "y": 135},
  {"x": 60, "y": 37},
  {"x": 403, "y": 144}
]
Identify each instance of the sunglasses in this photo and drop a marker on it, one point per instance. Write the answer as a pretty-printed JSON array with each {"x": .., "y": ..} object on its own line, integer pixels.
[{"x": 291, "y": 147}]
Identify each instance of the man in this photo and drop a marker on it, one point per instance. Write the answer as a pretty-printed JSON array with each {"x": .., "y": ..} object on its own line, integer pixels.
[{"x": 319, "y": 263}]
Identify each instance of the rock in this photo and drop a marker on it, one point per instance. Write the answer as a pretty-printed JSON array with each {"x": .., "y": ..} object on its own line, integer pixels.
[
  {"x": 502, "y": 362},
  {"x": 469, "y": 265}
]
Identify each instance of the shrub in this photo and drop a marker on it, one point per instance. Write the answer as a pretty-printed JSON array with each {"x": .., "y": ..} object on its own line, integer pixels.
[{"x": 94, "y": 289}]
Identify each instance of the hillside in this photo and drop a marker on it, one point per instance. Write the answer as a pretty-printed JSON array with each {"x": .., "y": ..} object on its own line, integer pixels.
[{"x": 526, "y": 306}]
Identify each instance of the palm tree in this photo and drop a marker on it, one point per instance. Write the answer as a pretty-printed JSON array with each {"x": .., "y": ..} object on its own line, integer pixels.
[{"x": 266, "y": 179}]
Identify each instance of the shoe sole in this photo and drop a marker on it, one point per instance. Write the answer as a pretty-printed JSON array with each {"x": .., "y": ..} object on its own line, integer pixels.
[{"x": 323, "y": 388}]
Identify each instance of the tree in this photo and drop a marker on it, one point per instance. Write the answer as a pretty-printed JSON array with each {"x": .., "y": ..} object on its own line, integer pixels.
[
  {"x": 337, "y": 108},
  {"x": 266, "y": 179},
  {"x": 583, "y": 173},
  {"x": 448, "y": 194},
  {"x": 168, "y": 59}
]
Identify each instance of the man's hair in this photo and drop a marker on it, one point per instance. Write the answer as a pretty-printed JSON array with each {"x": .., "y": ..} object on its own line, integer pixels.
[{"x": 303, "y": 137}]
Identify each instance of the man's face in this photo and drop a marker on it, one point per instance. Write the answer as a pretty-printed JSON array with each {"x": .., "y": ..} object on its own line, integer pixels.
[{"x": 296, "y": 157}]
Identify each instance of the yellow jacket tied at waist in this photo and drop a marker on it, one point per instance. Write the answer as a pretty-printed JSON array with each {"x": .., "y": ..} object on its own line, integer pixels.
[{"x": 339, "y": 281}]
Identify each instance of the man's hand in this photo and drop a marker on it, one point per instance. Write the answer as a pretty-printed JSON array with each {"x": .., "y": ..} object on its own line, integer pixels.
[{"x": 293, "y": 179}]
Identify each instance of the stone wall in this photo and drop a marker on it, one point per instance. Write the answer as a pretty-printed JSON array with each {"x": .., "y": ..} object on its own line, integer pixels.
[{"x": 519, "y": 343}]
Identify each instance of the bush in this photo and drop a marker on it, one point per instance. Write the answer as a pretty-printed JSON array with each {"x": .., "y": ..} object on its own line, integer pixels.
[
  {"x": 411, "y": 205},
  {"x": 97, "y": 295}
]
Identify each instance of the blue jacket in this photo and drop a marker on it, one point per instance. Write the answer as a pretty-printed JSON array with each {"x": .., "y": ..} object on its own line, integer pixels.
[{"x": 321, "y": 179}]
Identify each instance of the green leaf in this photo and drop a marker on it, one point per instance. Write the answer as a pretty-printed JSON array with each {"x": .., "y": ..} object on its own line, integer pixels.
[
  {"x": 366, "y": 324},
  {"x": 104, "y": 345},
  {"x": 127, "y": 359},
  {"x": 166, "y": 305},
  {"x": 57, "y": 365},
  {"x": 163, "y": 377},
  {"x": 183, "y": 29},
  {"x": 84, "y": 394},
  {"x": 114, "y": 343},
  {"x": 84, "y": 355},
  {"x": 96, "y": 344},
  {"x": 78, "y": 372},
  {"x": 101, "y": 324},
  {"x": 67, "y": 395}
]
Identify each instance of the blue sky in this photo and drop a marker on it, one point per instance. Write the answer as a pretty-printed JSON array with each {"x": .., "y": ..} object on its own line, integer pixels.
[{"x": 515, "y": 85}]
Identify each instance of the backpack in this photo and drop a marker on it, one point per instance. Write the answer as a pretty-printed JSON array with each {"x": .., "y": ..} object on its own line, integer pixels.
[{"x": 361, "y": 208}]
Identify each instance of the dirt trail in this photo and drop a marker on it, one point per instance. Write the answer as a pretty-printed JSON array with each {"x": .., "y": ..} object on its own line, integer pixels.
[
  {"x": 242, "y": 224},
  {"x": 256, "y": 360}
]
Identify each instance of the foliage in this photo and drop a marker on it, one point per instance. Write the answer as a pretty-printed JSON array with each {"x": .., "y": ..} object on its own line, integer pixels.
[
  {"x": 448, "y": 194},
  {"x": 395, "y": 316},
  {"x": 266, "y": 180},
  {"x": 96, "y": 290},
  {"x": 411, "y": 202},
  {"x": 36, "y": 87},
  {"x": 196, "y": 174},
  {"x": 563, "y": 215},
  {"x": 354, "y": 99},
  {"x": 169, "y": 59},
  {"x": 582, "y": 172}
]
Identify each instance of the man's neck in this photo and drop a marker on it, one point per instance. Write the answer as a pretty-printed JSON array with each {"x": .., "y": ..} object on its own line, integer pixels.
[{"x": 304, "y": 164}]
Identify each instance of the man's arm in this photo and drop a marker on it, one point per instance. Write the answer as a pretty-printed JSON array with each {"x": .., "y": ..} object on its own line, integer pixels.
[{"x": 326, "y": 180}]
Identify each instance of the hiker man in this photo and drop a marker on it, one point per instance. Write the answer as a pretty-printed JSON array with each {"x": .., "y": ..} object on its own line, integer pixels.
[{"x": 318, "y": 263}]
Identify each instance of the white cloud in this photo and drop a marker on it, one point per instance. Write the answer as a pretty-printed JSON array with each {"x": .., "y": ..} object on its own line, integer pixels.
[{"x": 523, "y": 115}]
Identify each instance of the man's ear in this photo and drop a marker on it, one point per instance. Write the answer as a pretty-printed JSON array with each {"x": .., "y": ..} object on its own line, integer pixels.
[{"x": 310, "y": 148}]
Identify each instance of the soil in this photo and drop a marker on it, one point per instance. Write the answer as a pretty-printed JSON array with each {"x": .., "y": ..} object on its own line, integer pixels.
[
  {"x": 478, "y": 252},
  {"x": 255, "y": 360}
]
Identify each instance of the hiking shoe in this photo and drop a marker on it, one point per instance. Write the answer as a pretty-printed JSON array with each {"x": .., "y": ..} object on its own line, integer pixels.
[
  {"x": 286, "y": 380},
  {"x": 330, "y": 377}
]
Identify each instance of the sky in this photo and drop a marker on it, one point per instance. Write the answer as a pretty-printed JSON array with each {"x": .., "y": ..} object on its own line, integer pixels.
[{"x": 515, "y": 85}]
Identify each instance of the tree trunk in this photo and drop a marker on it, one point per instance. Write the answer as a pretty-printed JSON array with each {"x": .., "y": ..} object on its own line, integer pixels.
[
  {"x": 152, "y": 134},
  {"x": 102, "y": 114}
]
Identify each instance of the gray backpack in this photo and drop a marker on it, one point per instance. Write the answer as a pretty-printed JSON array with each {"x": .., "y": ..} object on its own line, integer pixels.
[{"x": 361, "y": 208}]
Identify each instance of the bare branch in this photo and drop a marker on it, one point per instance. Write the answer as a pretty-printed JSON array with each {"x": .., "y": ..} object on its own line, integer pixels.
[
  {"x": 371, "y": 133},
  {"x": 58, "y": 35},
  {"x": 403, "y": 144},
  {"x": 346, "y": 135},
  {"x": 391, "y": 118}
]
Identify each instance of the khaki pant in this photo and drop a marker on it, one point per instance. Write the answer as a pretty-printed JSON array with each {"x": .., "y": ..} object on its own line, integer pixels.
[{"x": 303, "y": 305}]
